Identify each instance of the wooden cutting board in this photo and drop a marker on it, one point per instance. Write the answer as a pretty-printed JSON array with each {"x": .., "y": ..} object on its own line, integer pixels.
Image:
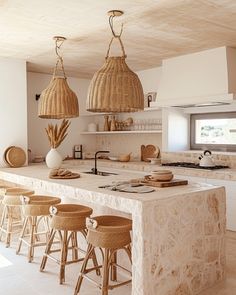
[
  {"x": 149, "y": 151},
  {"x": 173, "y": 182},
  {"x": 5, "y": 154},
  {"x": 15, "y": 156}
]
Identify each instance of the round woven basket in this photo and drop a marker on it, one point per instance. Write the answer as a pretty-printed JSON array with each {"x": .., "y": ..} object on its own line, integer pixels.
[{"x": 58, "y": 101}]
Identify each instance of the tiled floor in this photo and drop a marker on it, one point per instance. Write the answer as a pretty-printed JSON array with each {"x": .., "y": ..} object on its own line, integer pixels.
[
  {"x": 227, "y": 287},
  {"x": 18, "y": 277}
]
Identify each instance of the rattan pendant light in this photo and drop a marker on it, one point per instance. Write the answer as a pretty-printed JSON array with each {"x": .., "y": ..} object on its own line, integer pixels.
[
  {"x": 58, "y": 101},
  {"x": 115, "y": 88}
]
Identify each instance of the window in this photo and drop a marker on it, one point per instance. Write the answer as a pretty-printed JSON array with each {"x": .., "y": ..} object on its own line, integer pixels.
[{"x": 216, "y": 131}]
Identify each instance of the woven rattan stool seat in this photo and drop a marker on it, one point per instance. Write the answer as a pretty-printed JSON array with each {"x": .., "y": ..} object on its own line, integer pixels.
[
  {"x": 12, "y": 195},
  {"x": 67, "y": 220},
  {"x": 36, "y": 211},
  {"x": 12, "y": 202},
  {"x": 70, "y": 217},
  {"x": 3, "y": 189},
  {"x": 110, "y": 234},
  {"x": 38, "y": 205}
]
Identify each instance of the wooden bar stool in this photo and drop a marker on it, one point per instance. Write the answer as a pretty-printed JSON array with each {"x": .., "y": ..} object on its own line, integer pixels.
[
  {"x": 36, "y": 213},
  {"x": 67, "y": 220},
  {"x": 12, "y": 201},
  {"x": 3, "y": 188},
  {"x": 110, "y": 234}
]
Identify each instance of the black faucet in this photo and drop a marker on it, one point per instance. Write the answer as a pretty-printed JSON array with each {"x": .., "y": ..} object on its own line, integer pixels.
[{"x": 95, "y": 171}]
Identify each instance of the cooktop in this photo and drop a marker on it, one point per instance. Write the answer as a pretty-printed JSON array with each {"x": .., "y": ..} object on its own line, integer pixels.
[{"x": 193, "y": 165}]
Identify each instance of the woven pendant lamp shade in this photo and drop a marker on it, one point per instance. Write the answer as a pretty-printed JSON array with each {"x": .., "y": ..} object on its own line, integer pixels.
[
  {"x": 115, "y": 88},
  {"x": 58, "y": 101}
]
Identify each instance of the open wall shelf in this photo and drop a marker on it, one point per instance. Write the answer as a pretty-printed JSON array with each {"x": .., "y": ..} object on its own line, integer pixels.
[{"x": 122, "y": 132}]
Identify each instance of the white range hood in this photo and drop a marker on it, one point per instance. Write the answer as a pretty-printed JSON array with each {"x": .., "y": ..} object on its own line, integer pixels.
[{"x": 199, "y": 79}]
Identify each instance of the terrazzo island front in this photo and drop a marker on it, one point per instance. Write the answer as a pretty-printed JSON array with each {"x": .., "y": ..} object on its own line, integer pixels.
[{"x": 178, "y": 244}]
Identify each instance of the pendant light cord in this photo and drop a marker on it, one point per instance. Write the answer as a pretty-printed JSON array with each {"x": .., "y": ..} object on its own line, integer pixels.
[
  {"x": 121, "y": 45},
  {"x": 111, "y": 17},
  {"x": 115, "y": 36},
  {"x": 58, "y": 44}
]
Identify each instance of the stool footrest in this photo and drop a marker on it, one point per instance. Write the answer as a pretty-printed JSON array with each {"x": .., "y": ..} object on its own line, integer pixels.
[
  {"x": 38, "y": 244},
  {"x": 110, "y": 287}
]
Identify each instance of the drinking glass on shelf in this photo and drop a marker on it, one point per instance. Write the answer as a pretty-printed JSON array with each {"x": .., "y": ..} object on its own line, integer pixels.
[
  {"x": 149, "y": 124},
  {"x": 142, "y": 124},
  {"x": 152, "y": 124},
  {"x": 158, "y": 124},
  {"x": 136, "y": 125}
]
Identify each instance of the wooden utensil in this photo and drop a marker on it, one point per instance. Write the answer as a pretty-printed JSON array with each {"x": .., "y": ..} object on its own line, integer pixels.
[
  {"x": 125, "y": 158},
  {"x": 142, "y": 151}
]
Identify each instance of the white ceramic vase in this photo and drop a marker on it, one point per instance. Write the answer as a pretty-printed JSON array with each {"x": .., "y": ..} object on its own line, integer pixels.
[{"x": 53, "y": 159}]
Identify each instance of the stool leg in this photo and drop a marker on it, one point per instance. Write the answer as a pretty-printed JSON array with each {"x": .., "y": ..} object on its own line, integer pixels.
[
  {"x": 4, "y": 216},
  {"x": 129, "y": 252},
  {"x": 105, "y": 273},
  {"x": 74, "y": 243},
  {"x": 64, "y": 250},
  {"x": 47, "y": 228},
  {"x": 95, "y": 262},
  {"x": 22, "y": 234},
  {"x": 93, "y": 255},
  {"x": 37, "y": 222},
  {"x": 90, "y": 249},
  {"x": 9, "y": 226},
  {"x": 113, "y": 267},
  {"x": 32, "y": 238},
  {"x": 47, "y": 250}
]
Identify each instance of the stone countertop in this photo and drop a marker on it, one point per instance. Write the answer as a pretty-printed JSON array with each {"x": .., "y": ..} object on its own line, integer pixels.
[
  {"x": 36, "y": 175},
  {"x": 223, "y": 174}
]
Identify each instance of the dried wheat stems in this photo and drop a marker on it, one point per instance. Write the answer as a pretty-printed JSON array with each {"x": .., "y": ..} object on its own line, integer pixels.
[{"x": 57, "y": 135}]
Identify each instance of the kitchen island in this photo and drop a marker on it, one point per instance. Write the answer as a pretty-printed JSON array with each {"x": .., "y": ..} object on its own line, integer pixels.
[{"x": 178, "y": 244}]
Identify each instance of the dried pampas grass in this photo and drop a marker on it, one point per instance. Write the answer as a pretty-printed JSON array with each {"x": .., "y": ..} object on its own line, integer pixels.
[{"x": 57, "y": 134}]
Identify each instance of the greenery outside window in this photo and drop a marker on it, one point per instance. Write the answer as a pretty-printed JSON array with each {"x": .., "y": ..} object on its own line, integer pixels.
[{"x": 215, "y": 131}]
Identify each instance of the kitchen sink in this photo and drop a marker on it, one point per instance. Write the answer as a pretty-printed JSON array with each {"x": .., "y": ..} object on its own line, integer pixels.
[{"x": 100, "y": 173}]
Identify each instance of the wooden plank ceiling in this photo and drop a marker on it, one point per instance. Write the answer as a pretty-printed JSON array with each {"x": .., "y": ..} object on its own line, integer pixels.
[{"x": 153, "y": 30}]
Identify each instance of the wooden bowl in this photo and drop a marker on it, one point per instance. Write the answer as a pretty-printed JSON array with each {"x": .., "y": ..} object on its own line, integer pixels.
[
  {"x": 124, "y": 158},
  {"x": 162, "y": 175}
]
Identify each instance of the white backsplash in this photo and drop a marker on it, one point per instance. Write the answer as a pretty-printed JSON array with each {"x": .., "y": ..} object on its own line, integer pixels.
[{"x": 125, "y": 143}]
